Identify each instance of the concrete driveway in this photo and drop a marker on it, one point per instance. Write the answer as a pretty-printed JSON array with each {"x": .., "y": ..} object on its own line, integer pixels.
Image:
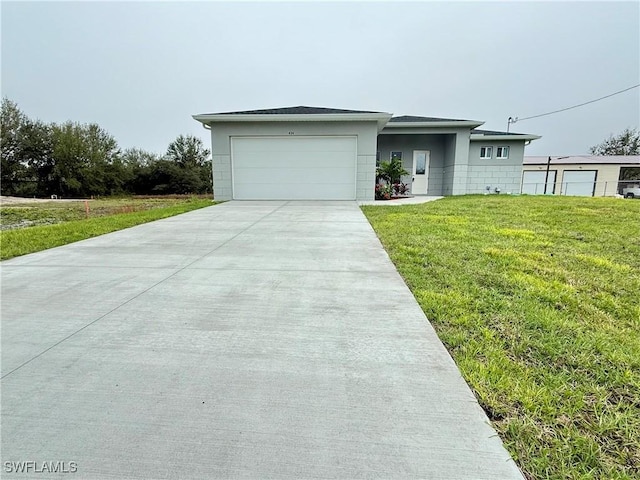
[{"x": 248, "y": 339}]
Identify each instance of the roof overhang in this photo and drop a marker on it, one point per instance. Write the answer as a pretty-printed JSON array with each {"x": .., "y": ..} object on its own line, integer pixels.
[
  {"x": 437, "y": 124},
  {"x": 621, "y": 160},
  {"x": 476, "y": 137},
  {"x": 210, "y": 118}
]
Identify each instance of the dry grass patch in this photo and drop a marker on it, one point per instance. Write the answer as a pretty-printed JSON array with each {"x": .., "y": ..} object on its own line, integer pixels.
[{"x": 33, "y": 227}]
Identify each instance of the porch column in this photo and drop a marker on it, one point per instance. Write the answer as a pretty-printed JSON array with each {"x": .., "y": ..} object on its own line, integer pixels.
[{"x": 461, "y": 164}]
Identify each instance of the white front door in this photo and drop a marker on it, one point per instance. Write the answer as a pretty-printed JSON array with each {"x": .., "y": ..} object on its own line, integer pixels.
[{"x": 420, "y": 172}]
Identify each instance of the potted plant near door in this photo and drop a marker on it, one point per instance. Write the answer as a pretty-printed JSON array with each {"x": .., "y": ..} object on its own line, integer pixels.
[{"x": 391, "y": 172}]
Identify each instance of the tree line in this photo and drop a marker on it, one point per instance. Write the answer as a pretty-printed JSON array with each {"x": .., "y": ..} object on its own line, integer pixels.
[{"x": 81, "y": 160}]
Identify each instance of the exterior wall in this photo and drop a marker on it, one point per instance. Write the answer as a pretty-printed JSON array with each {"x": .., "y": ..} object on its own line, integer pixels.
[
  {"x": 455, "y": 166},
  {"x": 606, "y": 177},
  {"x": 221, "y": 134},
  {"x": 406, "y": 144},
  {"x": 461, "y": 164},
  {"x": 505, "y": 174},
  {"x": 449, "y": 163}
]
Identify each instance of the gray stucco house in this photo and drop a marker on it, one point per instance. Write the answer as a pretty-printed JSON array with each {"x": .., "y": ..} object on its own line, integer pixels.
[{"x": 312, "y": 153}]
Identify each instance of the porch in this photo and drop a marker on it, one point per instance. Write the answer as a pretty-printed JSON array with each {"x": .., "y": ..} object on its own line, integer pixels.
[{"x": 429, "y": 159}]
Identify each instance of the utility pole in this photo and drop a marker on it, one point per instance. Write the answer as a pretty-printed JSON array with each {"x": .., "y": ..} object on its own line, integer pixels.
[{"x": 546, "y": 177}]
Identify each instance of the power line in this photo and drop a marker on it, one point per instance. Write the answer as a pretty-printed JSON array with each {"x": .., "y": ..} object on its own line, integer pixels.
[{"x": 516, "y": 119}]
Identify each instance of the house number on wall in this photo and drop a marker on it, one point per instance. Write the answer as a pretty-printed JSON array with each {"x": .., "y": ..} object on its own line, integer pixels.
[{"x": 291, "y": 133}]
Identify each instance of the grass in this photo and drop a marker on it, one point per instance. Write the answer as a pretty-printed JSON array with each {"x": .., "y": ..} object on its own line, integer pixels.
[
  {"x": 58, "y": 223},
  {"x": 538, "y": 301}
]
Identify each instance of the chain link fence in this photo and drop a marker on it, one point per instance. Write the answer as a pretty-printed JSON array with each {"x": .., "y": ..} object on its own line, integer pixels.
[{"x": 620, "y": 188}]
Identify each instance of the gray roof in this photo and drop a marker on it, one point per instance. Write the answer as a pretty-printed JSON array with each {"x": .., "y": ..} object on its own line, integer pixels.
[
  {"x": 584, "y": 159},
  {"x": 494, "y": 132},
  {"x": 414, "y": 119},
  {"x": 300, "y": 110}
]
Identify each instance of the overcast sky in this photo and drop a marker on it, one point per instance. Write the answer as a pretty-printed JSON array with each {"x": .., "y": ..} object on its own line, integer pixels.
[{"x": 140, "y": 70}]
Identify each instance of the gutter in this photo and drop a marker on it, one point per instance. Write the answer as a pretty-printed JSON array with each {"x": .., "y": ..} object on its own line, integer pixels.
[
  {"x": 483, "y": 138},
  {"x": 210, "y": 118}
]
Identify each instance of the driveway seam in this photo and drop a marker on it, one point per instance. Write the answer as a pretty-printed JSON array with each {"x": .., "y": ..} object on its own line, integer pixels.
[{"x": 136, "y": 296}]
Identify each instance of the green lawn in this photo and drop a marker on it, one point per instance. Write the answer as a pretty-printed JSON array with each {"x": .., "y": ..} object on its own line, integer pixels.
[
  {"x": 538, "y": 301},
  {"x": 29, "y": 228}
]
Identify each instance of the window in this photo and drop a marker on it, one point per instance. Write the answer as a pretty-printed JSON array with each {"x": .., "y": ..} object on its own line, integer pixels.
[
  {"x": 485, "y": 152},
  {"x": 502, "y": 152},
  {"x": 421, "y": 163},
  {"x": 377, "y": 159},
  {"x": 397, "y": 155}
]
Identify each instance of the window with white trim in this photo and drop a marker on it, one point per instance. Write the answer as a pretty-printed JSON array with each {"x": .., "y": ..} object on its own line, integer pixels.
[
  {"x": 502, "y": 152},
  {"x": 485, "y": 152}
]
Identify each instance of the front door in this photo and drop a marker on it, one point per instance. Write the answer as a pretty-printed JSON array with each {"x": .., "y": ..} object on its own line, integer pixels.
[{"x": 420, "y": 172}]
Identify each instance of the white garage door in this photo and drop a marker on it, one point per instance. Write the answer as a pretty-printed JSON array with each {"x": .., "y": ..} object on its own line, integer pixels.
[
  {"x": 294, "y": 168},
  {"x": 533, "y": 182},
  {"x": 579, "y": 183}
]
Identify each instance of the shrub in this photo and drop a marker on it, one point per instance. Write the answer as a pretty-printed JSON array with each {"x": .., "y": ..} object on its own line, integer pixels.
[
  {"x": 383, "y": 192},
  {"x": 391, "y": 171},
  {"x": 400, "y": 188}
]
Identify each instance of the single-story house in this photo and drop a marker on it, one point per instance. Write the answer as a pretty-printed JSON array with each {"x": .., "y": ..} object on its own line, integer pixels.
[
  {"x": 312, "y": 153},
  {"x": 583, "y": 175}
]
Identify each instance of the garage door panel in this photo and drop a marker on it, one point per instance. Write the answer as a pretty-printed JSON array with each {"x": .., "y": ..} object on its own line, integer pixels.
[
  {"x": 579, "y": 183},
  {"x": 533, "y": 182},
  {"x": 296, "y": 175},
  {"x": 297, "y": 168},
  {"x": 266, "y": 147},
  {"x": 263, "y": 160},
  {"x": 263, "y": 191},
  {"x": 275, "y": 144}
]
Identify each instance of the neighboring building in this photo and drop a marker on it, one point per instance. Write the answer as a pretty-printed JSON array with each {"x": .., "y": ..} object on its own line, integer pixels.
[
  {"x": 311, "y": 153},
  {"x": 583, "y": 175}
]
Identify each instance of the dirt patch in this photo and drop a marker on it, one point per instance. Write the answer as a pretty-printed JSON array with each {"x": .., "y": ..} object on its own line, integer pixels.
[{"x": 4, "y": 200}]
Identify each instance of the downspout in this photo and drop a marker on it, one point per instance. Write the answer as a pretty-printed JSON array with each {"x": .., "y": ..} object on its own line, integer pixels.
[
  {"x": 526, "y": 143},
  {"x": 208, "y": 127}
]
